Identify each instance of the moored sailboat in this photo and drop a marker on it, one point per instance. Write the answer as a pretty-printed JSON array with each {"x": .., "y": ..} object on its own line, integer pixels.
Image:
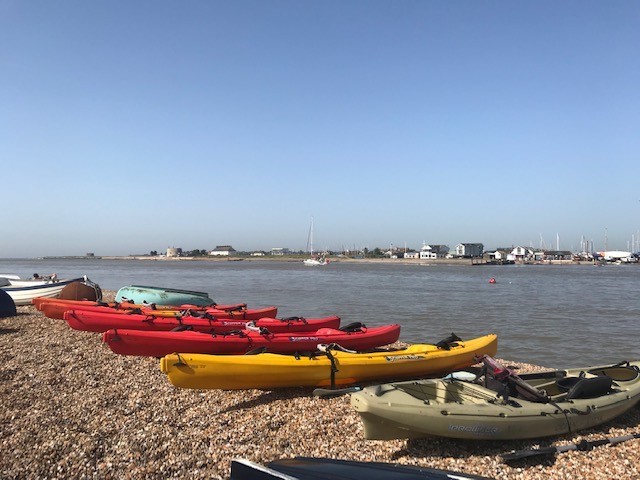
[{"x": 317, "y": 260}]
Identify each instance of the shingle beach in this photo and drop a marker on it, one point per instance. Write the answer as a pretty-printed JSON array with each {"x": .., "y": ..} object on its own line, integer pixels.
[{"x": 73, "y": 409}]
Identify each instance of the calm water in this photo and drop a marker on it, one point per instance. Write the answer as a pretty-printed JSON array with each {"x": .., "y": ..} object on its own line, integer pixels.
[{"x": 557, "y": 316}]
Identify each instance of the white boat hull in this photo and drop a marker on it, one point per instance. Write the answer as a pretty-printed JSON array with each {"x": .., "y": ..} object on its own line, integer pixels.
[
  {"x": 9, "y": 276},
  {"x": 312, "y": 262},
  {"x": 23, "y": 295}
]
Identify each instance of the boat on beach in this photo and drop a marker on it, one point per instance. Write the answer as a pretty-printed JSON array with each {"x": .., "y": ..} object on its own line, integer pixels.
[
  {"x": 332, "y": 368},
  {"x": 7, "y": 305},
  {"x": 143, "y": 294},
  {"x": 55, "y": 308},
  {"x": 499, "y": 405},
  {"x": 5, "y": 279},
  {"x": 160, "y": 343},
  {"x": 96, "y": 322},
  {"x": 24, "y": 295},
  {"x": 300, "y": 468}
]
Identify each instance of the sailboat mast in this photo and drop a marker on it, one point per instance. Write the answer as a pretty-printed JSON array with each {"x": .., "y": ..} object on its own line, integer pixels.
[{"x": 310, "y": 238}]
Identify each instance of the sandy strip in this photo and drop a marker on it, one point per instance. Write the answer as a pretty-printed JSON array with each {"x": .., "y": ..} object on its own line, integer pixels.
[{"x": 73, "y": 409}]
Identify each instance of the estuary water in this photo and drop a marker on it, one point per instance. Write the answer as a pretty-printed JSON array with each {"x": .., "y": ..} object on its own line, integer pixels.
[{"x": 550, "y": 315}]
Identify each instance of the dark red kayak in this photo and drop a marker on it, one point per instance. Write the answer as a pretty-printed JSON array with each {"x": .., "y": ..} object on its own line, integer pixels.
[
  {"x": 92, "y": 321},
  {"x": 57, "y": 311},
  {"x": 158, "y": 344},
  {"x": 55, "y": 308}
]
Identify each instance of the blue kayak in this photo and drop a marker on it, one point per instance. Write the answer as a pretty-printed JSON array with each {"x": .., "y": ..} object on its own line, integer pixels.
[{"x": 162, "y": 296}]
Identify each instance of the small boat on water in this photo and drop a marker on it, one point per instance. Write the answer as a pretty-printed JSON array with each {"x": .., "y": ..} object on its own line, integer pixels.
[
  {"x": 500, "y": 405},
  {"x": 331, "y": 368},
  {"x": 313, "y": 260},
  {"x": 97, "y": 322},
  {"x": 143, "y": 294},
  {"x": 160, "y": 343},
  {"x": 24, "y": 292}
]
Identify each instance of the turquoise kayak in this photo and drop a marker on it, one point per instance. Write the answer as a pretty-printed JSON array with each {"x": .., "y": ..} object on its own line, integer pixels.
[{"x": 162, "y": 296}]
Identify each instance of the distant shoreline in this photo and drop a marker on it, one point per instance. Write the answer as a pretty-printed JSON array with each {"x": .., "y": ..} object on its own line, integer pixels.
[{"x": 294, "y": 259}]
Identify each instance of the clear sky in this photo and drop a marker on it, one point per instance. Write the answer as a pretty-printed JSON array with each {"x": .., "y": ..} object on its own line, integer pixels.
[{"x": 130, "y": 126}]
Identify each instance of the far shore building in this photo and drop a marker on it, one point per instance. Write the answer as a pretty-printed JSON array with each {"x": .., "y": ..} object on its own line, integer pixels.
[
  {"x": 222, "y": 251},
  {"x": 174, "y": 252},
  {"x": 520, "y": 254},
  {"x": 433, "y": 251},
  {"x": 510, "y": 254},
  {"x": 499, "y": 255},
  {"x": 280, "y": 251},
  {"x": 258, "y": 253},
  {"x": 556, "y": 255},
  {"x": 469, "y": 250},
  {"x": 427, "y": 253}
]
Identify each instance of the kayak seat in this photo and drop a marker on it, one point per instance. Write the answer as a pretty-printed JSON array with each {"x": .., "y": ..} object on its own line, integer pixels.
[
  {"x": 328, "y": 331},
  {"x": 565, "y": 384},
  {"x": 589, "y": 387},
  {"x": 353, "y": 327}
]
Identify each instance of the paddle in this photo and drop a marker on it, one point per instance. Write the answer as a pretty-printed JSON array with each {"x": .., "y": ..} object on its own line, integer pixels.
[
  {"x": 334, "y": 392},
  {"x": 584, "y": 445}
]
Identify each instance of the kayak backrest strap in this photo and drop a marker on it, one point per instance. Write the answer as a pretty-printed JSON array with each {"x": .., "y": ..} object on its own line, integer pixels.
[
  {"x": 182, "y": 328},
  {"x": 334, "y": 367}
]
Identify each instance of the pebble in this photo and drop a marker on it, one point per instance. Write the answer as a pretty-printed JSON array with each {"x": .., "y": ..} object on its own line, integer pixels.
[{"x": 73, "y": 409}]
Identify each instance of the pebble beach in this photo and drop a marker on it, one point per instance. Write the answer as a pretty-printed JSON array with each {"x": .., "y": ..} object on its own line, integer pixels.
[{"x": 71, "y": 408}]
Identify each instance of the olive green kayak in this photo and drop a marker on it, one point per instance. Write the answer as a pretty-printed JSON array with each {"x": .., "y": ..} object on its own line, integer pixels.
[{"x": 499, "y": 405}]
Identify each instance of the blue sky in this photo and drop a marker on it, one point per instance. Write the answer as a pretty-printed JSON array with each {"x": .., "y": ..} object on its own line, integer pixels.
[{"x": 127, "y": 126}]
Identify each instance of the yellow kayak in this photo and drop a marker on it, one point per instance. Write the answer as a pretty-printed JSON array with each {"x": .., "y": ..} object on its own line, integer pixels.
[{"x": 268, "y": 370}]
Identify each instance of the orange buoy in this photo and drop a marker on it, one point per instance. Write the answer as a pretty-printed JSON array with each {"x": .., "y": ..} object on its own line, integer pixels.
[{"x": 492, "y": 280}]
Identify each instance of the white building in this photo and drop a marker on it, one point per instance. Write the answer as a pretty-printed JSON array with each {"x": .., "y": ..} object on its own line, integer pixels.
[
  {"x": 222, "y": 251},
  {"x": 520, "y": 254},
  {"x": 427, "y": 253}
]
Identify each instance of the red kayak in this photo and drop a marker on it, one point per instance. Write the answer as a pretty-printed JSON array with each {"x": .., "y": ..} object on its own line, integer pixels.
[
  {"x": 54, "y": 305},
  {"x": 91, "y": 321},
  {"x": 56, "y": 308},
  {"x": 158, "y": 344},
  {"x": 245, "y": 314}
]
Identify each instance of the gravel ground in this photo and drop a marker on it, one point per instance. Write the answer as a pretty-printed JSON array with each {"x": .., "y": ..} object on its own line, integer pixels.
[{"x": 73, "y": 409}]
